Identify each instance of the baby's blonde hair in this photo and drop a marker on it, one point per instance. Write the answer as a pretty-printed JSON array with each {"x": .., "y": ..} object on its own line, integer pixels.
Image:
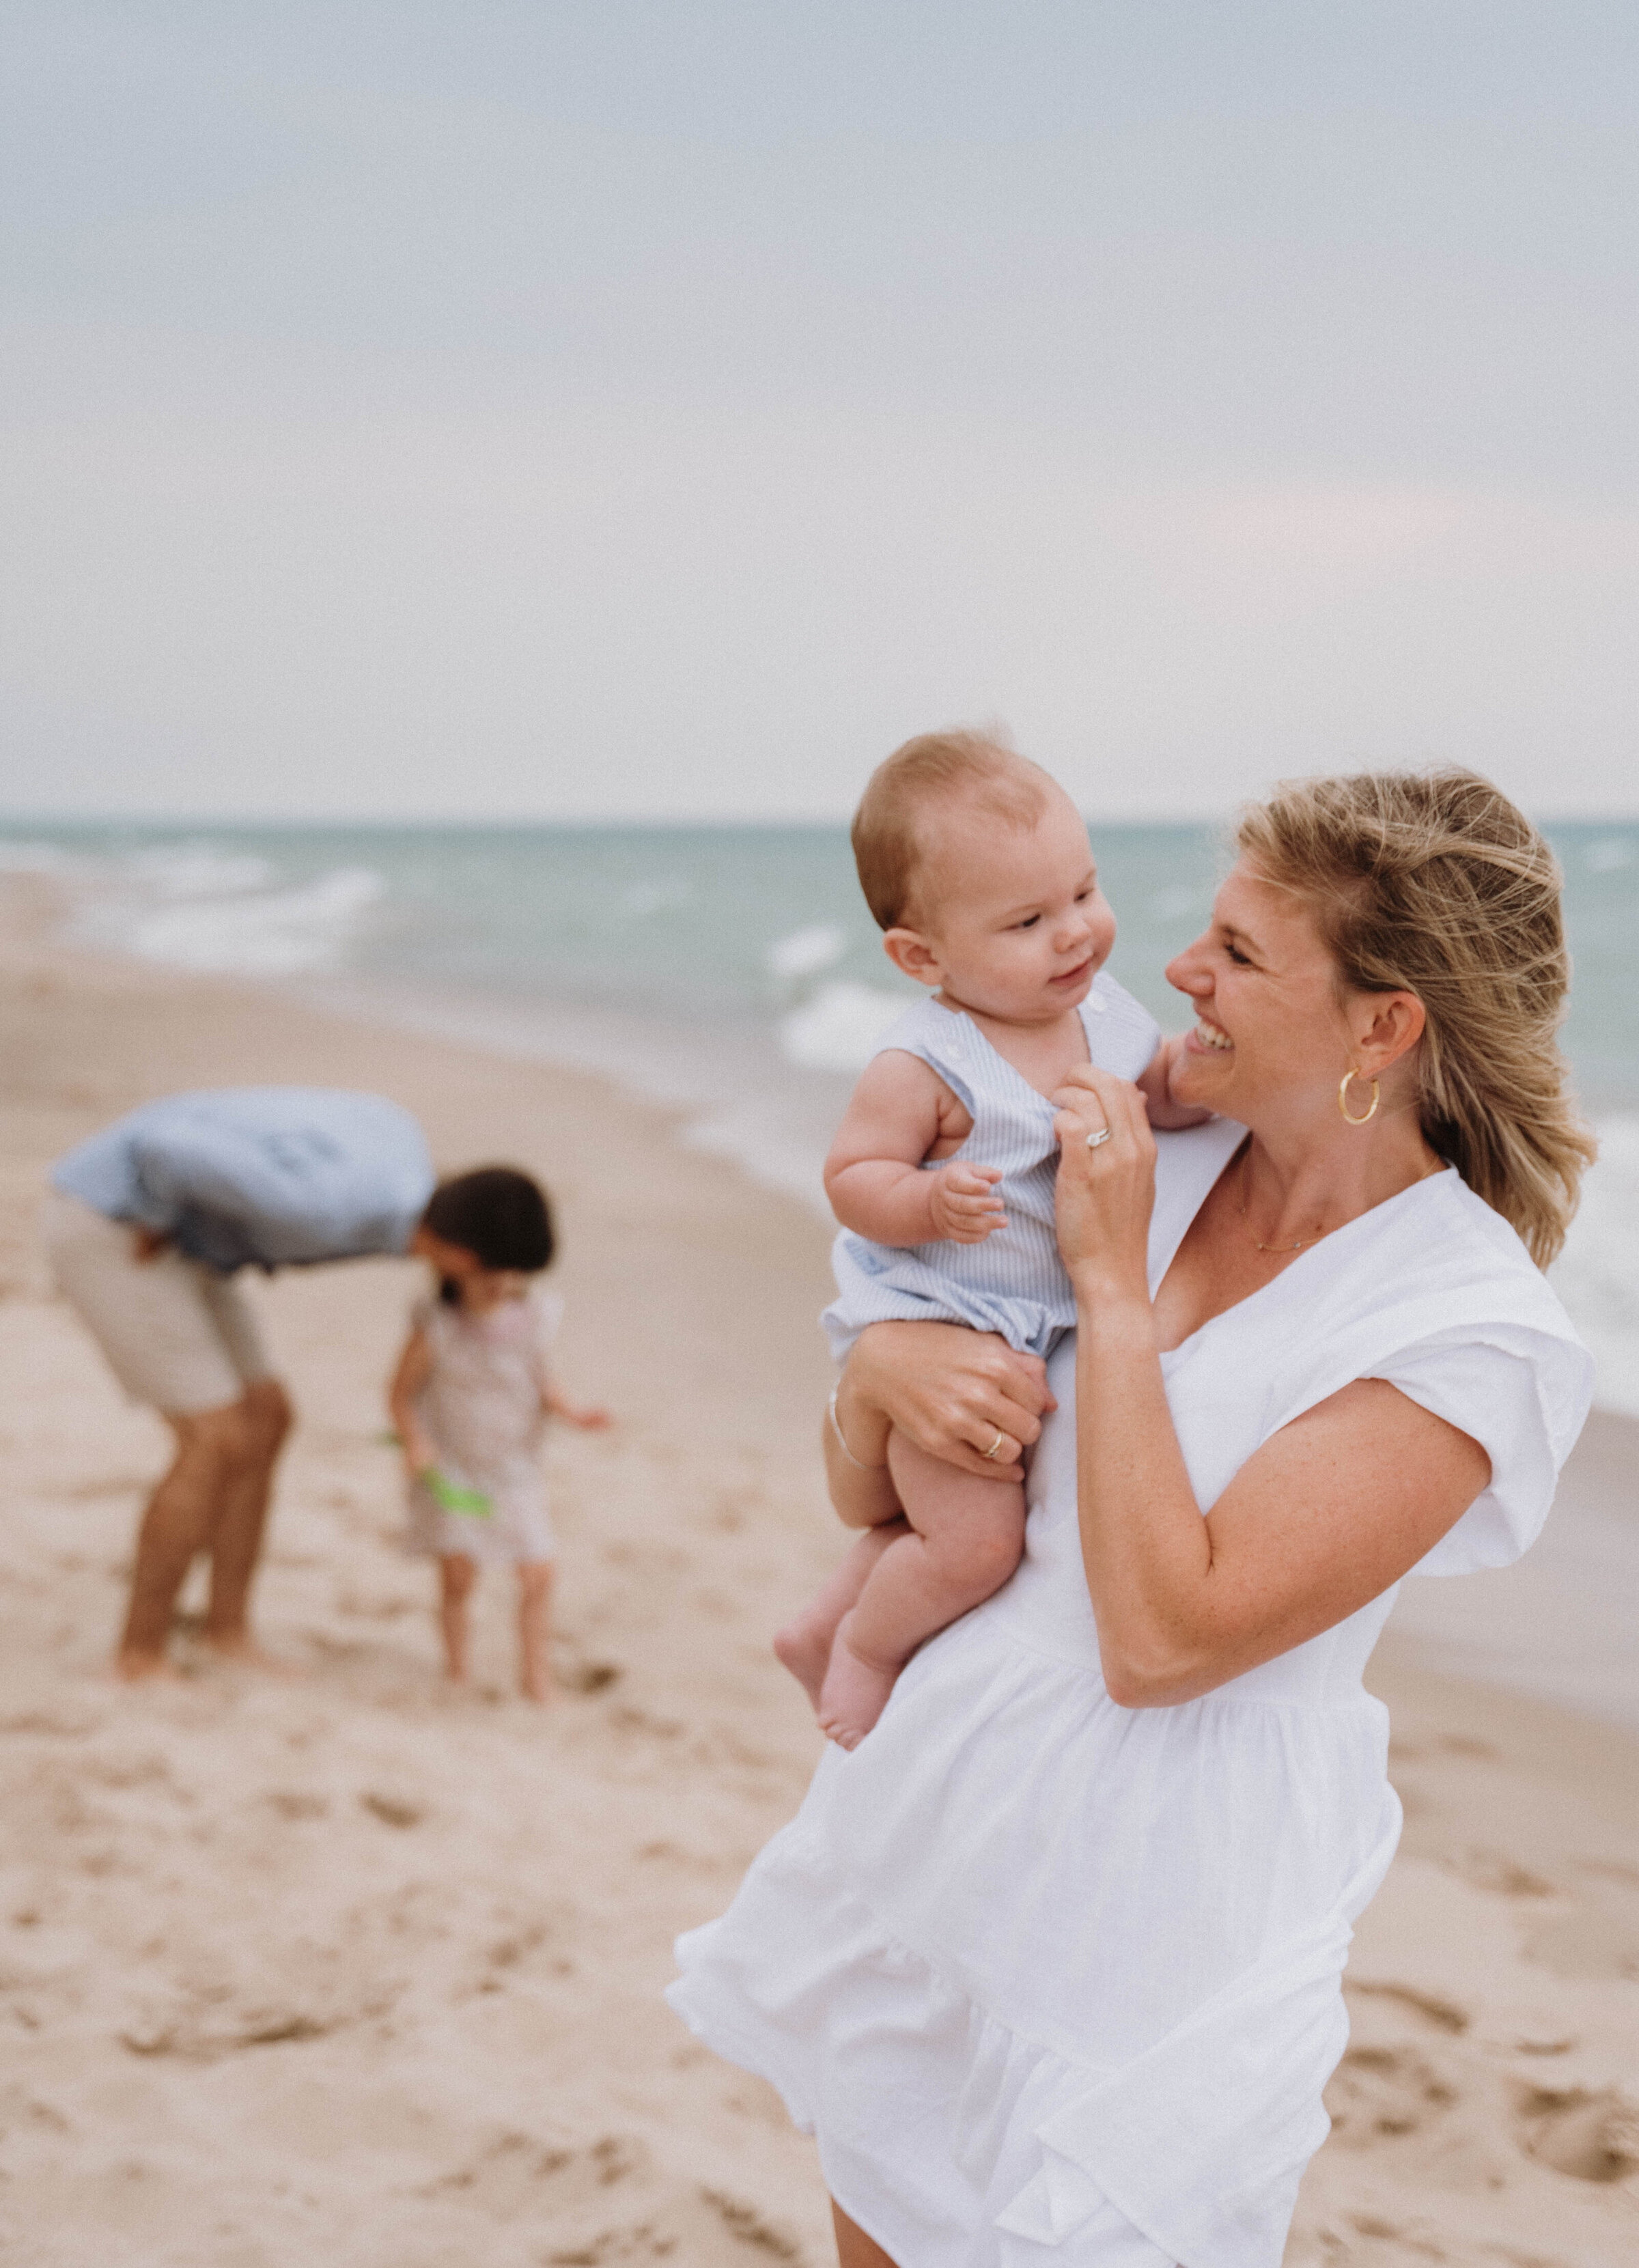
[
  {"x": 1434, "y": 883},
  {"x": 933, "y": 770}
]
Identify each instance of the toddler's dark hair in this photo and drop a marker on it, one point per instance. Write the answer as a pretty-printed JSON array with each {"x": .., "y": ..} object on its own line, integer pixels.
[{"x": 498, "y": 1213}]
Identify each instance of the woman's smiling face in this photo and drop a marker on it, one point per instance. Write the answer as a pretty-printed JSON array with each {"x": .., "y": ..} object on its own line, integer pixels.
[{"x": 1270, "y": 1026}]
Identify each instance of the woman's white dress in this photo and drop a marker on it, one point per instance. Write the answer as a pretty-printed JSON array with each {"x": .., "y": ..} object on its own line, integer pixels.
[{"x": 1057, "y": 1983}]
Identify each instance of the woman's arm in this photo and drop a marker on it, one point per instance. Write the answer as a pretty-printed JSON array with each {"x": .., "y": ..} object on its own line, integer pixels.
[
  {"x": 950, "y": 1389},
  {"x": 862, "y": 1494},
  {"x": 1335, "y": 1508}
]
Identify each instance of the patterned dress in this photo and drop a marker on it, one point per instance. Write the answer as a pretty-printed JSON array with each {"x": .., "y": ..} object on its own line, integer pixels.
[{"x": 482, "y": 1410}]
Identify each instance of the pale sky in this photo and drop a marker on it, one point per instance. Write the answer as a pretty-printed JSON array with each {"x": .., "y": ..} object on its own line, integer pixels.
[{"x": 584, "y": 407}]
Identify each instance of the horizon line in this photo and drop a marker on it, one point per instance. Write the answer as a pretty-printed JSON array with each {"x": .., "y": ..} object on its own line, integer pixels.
[{"x": 517, "y": 822}]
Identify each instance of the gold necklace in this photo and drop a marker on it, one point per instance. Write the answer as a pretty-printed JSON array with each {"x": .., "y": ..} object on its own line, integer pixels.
[{"x": 1245, "y": 1172}]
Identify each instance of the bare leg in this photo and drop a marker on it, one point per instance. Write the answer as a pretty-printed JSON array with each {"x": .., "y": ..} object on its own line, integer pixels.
[
  {"x": 457, "y": 1574},
  {"x": 235, "y": 1545},
  {"x": 805, "y": 1645},
  {"x": 854, "y": 2248},
  {"x": 534, "y": 1627},
  {"x": 968, "y": 1537},
  {"x": 214, "y": 1449}
]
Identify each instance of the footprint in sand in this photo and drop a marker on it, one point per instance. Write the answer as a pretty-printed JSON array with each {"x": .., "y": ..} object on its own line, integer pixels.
[
  {"x": 1594, "y": 2136},
  {"x": 1384, "y": 2092}
]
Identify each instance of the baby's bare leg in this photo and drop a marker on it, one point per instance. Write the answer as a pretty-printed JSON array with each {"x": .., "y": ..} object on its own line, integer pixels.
[
  {"x": 967, "y": 1539},
  {"x": 805, "y": 1645}
]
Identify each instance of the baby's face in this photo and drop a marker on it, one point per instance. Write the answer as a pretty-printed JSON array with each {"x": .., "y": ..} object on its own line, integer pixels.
[{"x": 1016, "y": 920}]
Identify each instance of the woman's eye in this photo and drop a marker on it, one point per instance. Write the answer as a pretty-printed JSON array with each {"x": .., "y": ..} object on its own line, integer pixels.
[{"x": 1237, "y": 956}]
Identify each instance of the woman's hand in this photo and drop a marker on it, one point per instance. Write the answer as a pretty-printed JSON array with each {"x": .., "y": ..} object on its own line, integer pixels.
[
  {"x": 1106, "y": 1194},
  {"x": 955, "y": 1393}
]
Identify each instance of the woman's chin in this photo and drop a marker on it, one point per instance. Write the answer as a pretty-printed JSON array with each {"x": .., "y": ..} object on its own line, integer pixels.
[{"x": 1200, "y": 1083}]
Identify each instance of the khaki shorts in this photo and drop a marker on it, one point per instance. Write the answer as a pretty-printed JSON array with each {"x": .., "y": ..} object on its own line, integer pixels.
[{"x": 176, "y": 1334}]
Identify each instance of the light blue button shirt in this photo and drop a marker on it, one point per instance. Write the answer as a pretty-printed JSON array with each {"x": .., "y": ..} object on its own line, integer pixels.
[{"x": 259, "y": 1176}]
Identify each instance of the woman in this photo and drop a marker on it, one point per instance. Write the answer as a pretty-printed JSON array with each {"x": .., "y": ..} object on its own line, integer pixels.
[{"x": 1052, "y": 1961}]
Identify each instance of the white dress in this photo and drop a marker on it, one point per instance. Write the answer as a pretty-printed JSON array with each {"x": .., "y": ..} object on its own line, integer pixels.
[
  {"x": 1014, "y": 1282},
  {"x": 1057, "y": 1983},
  {"x": 481, "y": 1408}
]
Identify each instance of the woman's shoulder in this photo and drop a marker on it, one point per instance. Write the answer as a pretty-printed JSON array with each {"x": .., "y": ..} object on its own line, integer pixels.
[
  {"x": 1439, "y": 1247},
  {"x": 1438, "y": 1296}
]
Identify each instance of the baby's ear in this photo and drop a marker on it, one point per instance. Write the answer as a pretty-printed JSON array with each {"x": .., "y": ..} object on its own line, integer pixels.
[{"x": 909, "y": 951}]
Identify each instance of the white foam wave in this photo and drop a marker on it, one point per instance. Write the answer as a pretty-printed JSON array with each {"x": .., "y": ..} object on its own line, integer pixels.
[
  {"x": 197, "y": 870},
  {"x": 642, "y": 899},
  {"x": 805, "y": 952},
  {"x": 1597, "y": 1274},
  {"x": 244, "y": 930},
  {"x": 34, "y": 859},
  {"x": 840, "y": 1028}
]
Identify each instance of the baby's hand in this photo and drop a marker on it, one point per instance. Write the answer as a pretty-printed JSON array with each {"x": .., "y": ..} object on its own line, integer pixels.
[{"x": 963, "y": 1204}]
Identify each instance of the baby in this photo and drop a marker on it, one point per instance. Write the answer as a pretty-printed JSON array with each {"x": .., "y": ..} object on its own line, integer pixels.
[
  {"x": 469, "y": 1399},
  {"x": 978, "y": 867}
]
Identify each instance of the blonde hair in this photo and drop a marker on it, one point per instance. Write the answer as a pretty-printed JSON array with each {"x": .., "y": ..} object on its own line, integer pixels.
[
  {"x": 934, "y": 768},
  {"x": 1434, "y": 883}
]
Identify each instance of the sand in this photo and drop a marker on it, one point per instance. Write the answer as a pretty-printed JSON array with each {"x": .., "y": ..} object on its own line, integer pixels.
[{"x": 346, "y": 1969}]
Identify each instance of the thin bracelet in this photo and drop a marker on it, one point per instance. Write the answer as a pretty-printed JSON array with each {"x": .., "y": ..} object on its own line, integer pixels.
[{"x": 859, "y": 1463}]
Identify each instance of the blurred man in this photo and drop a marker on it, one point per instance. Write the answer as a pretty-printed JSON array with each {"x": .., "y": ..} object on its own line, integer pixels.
[{"x": 146, "y": 1226}]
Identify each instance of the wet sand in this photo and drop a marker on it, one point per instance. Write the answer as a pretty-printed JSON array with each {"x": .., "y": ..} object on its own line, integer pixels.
[{"x": 348, "y": 1970}]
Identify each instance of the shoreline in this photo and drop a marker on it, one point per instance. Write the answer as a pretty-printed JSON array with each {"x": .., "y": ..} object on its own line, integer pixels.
[{"x": 444, "y": 2036}]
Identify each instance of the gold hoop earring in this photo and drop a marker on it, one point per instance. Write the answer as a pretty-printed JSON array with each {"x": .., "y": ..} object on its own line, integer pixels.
[{"x": 1342, "y": 1098}]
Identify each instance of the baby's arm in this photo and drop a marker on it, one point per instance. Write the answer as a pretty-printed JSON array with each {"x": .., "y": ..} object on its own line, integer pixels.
[
  {"x": 414, "y": 1368},
  {"x": 873, "y": 1175},
  {"x": 1155, "y": 1085}
]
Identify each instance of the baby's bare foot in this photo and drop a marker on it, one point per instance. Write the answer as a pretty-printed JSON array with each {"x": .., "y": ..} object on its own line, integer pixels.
[
  {"x": 854, "y": 1695},
  {"x": 804, "y": 1648}
]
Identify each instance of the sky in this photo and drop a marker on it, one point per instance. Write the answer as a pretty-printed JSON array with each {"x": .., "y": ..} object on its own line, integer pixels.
[{"x": 588, "y": 408}]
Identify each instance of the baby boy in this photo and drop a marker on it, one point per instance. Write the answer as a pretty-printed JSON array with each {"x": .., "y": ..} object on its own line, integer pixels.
[{"x": 978, "y": 868}]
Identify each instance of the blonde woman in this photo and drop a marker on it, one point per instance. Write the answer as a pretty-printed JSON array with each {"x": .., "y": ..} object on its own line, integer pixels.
[{"x": 1052, "y": 1961}]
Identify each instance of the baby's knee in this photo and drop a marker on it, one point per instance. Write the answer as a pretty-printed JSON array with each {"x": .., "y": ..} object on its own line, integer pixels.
[{"x": 995, "y": 1547}]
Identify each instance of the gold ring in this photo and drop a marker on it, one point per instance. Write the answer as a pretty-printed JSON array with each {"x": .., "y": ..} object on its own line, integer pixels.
[
  {"x": 1095, "y": 1141},
  {"x": 995, "y": 1445}
]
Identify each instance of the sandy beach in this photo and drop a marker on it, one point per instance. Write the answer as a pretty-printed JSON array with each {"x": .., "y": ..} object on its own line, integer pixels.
[{"x": 344, "y": 1969}]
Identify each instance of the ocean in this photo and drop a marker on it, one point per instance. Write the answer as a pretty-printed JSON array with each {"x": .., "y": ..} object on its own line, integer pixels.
[{"x": 734, "y": 974}]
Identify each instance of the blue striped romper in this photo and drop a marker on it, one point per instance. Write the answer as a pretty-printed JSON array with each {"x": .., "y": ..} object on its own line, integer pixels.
[{"x": 1014, "y": 1282}]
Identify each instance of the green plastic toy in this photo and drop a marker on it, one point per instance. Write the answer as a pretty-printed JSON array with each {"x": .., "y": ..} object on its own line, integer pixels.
[{"x": 471, "y": 1503}]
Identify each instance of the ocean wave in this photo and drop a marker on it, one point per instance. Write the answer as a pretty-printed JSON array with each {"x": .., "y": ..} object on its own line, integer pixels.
[
  {"x": 840, "y": 1028},
  {"x": 805, "y": 952},
  {"x": 20, "y": 858},
  {"x": 1597, "y": 1275},
  {"x": 197, "y": 870},
  {"x": 237, "y": 927}
]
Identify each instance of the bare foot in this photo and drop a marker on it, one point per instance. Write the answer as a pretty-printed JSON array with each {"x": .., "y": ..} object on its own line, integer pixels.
[
  {"x": 240, "y": 1651},
  {"x": 854, "y": 1695},
  {"x": 145, "y": 1669},
  {"x": 804, "y": 1648}
]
